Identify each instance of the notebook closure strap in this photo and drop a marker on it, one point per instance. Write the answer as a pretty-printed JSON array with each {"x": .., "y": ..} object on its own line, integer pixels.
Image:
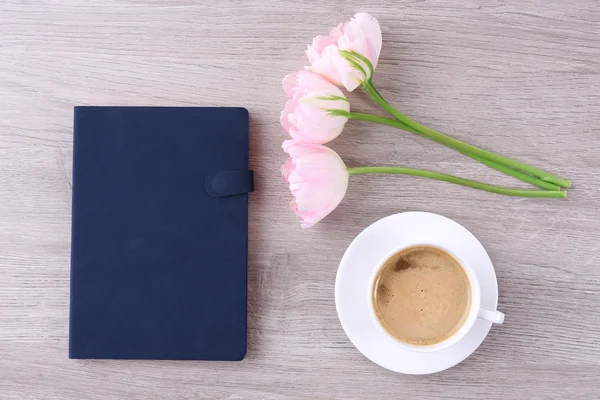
[{"x": 229, "y": 183}]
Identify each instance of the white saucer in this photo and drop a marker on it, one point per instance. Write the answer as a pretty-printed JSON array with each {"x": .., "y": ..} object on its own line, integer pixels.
[{"x": 357, "y": 266}]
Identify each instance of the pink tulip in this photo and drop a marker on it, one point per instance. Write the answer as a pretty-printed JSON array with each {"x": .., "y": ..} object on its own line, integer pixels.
[
  {"x": 306, "y": 116},
  {"x": 317, "y": 177},
  {"x": 362, "y": 35}
]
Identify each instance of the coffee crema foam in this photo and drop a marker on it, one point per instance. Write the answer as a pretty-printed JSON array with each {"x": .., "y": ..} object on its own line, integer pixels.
[{"x": 422, "y": 295}]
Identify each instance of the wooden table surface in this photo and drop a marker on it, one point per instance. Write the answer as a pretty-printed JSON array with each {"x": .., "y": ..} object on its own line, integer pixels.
[{"x": 518, "y": 77}]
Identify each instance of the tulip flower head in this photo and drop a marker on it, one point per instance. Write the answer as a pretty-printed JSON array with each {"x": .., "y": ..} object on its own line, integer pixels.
[
  {"x": 317, "y": 178},
  {"x": 349, "y": 54},
  {"x": 315, "y": 110}
]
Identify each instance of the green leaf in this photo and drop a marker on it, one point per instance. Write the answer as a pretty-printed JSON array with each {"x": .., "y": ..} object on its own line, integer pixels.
[
  {"x": 333, "y": 98},
  {"x": 365, "y": 60},
  {"x": 353, "y": 61},
  {"x": 359, "y": 62},
  {"x": 338, "y": 113}
]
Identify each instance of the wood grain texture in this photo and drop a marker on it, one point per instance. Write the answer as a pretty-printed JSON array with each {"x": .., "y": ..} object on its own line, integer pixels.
[{"x": 519, "y": 77}]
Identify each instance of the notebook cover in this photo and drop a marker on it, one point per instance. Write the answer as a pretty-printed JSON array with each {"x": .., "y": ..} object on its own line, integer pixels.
[{"x": 159, "y": 264}]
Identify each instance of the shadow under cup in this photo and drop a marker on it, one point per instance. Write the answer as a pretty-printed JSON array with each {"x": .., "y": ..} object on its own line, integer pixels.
[{"x": 424, "y": 297}]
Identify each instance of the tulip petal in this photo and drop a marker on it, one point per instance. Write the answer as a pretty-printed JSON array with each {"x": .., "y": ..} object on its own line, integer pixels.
[
  {"x": 306, "y": 115},
  {"x": 289, "y": 83},
  {"x": 317, "y": 178},
  {"x": 362, "y": 34}
]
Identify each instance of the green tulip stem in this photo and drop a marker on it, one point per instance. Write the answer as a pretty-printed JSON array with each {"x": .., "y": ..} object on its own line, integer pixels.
[
  {"x": 465, "y": 148},
  {"x": 459, "y": 181},
  {"x": 492, "y": 164}
]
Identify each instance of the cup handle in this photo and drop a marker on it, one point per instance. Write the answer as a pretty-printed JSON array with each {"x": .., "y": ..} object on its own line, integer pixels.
[{"x": 491, "y": 315}]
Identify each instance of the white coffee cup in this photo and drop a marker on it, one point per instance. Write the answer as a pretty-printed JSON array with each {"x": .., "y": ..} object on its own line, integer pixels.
[{"x": 475, "y": 310}]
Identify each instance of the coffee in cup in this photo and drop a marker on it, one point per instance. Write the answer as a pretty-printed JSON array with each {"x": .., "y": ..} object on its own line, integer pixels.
[{"x": 421, "y": 295}]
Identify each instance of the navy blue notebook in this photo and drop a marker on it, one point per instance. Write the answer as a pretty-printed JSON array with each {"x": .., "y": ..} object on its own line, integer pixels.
[{"x": 159, "y": 233}]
